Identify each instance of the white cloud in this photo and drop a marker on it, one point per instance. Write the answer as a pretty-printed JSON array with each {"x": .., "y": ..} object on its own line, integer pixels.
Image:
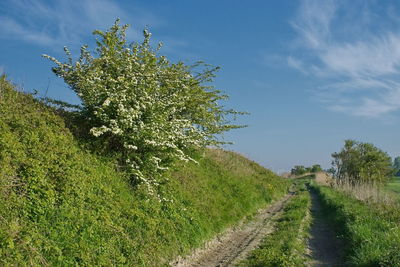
[
  {"x": 13, "y": 29},
  {"x": 313, "y": 22},
  {"x": 296, "y": 64},
  {"x": 62, "y": 22},
  {"x": 365, "y": 62},
  {"x": 58, "y": 23},
  {"x": 373, "y": 57}
]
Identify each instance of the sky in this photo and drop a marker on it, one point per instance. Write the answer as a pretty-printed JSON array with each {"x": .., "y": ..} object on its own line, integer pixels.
[{"x": 310, "y": 73}]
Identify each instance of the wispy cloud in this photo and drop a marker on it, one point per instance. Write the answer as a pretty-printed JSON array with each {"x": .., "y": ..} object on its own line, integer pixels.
[
  {"x": 296, "y": 64},
  {"x": 62, "y": 22},
  {"x": 353, "y": 52}
]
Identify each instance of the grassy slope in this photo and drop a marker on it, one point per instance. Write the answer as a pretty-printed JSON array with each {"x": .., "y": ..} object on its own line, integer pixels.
[{"x": 63, "y": 205}]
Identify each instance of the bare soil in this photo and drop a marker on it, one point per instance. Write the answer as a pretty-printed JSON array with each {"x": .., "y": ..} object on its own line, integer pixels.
[
  {"x": 235, "y": 243},
  {"x": 324, "y": 248}
]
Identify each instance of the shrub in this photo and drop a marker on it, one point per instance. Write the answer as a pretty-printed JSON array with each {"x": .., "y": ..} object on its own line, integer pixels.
[{"x": 140, "y": 104}]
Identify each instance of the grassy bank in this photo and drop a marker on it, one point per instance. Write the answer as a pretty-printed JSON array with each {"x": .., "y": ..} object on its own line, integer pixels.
[
  {"x": 287, "y": 244},
  {"x": 371, "y": 232},
  {"x": 64, "y": 204}
]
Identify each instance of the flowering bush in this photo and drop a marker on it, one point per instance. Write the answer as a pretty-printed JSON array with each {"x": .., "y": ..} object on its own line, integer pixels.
[{"x": 152, "y": 110}]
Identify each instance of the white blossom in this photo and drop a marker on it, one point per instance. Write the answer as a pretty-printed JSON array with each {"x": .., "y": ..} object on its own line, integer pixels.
[{"x": 156, "y": 110}]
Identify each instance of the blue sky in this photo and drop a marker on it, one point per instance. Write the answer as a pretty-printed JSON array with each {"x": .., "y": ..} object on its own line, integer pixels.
[{"x": 311, "y": 73}]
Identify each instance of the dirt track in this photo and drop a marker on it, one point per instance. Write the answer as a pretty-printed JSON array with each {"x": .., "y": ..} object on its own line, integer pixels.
[
  {"x": 233, "y": 245},
  {"x": 325, "y": 249}
]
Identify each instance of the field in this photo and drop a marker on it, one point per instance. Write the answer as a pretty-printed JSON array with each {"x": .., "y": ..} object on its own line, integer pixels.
[{"x": 394, "y": 186}]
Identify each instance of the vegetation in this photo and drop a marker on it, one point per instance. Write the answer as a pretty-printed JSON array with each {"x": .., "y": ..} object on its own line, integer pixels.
[
  {"x": 286, "y": 245},
  {"x": 300, "y": 169},
  {"x": 150, "y": 111},
  {"x": 62, "y": 204},
  {"x": 396, "y": 166},
  {"x": 366, "y": 192},
  {"x": 394, "y": 185},
  {"x": 369, "y": 242},
  {"x": 359, "y": 162},
  {"x": 75, "y": 182}
]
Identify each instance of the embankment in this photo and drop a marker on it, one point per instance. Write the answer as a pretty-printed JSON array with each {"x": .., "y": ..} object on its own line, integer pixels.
[{"x": 64, "y": 204}]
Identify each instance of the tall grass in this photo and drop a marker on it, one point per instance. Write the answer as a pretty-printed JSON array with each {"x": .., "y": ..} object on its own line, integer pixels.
[{"x": 366, "y": 192}]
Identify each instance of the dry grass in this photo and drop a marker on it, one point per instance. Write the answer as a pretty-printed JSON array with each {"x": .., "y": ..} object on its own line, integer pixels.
[
  {"x": 370, "y": 193},
  {"x": 323, "y": 178}
]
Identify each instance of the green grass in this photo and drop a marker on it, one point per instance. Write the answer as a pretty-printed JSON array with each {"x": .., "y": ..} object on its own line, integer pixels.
[
  {"x": 371, "y": 232},
  {"x": 394, "y": 185},
  {"x": 62, "y": 204},
  {"x": 287, "y": 244}
]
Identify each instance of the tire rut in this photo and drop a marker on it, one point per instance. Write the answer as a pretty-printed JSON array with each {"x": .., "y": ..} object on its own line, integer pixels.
[
  {"x": 235, "y": 243},
  {"x": 324, "y": 247}
]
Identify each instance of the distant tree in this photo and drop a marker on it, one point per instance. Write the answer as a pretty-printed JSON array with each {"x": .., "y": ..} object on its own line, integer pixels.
[
  {"x": 362, "y": 162},
  {"x": 298, "y": 170},
  {"x": 396, "y": 166},
  {"x": 316, "y": 168},
  {"x": 332, "y": 171}
]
